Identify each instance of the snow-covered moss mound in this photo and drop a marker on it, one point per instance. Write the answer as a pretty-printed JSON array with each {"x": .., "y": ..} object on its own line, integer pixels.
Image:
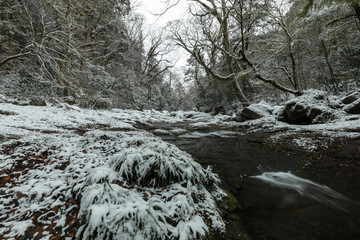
[
  {"x": 149, "y": 189},
  {"x": 130, "y": 185},
  {"x": 158, "y": 164}
]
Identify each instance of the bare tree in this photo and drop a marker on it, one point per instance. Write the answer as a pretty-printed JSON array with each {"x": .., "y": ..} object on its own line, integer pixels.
[
  {"x": 216, "y": 40},
  {"x": 214, "y": 22},
  {"x": 276, "y": 13}
]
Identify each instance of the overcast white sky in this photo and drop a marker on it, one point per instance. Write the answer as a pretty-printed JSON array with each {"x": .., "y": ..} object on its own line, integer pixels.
[{"x": 149, "y": 7}]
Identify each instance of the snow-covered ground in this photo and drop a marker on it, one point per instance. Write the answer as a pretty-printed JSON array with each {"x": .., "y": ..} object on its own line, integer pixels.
[{"x": 61, "y": 166}]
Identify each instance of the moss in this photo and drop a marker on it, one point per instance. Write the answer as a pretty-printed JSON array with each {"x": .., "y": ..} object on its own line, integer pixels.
[
  {"x": 235, "y": 228},
  {"x": 233, "y": 203},
  {"x": 198, "y": 160},
  {"x": 301, "y": 163},
  {"x": 214, "y": 235}
]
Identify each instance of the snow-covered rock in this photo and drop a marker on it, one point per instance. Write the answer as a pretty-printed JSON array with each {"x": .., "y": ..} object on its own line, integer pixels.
[
  {"x": 351, "y": 98},
  {"x": 312, "y": 107},
  {"x": 256, "y": 111},
  {"x": 353, "y": 108},
  {"x": 178, "y": 131},
  {"x": 37, "y": 102}
]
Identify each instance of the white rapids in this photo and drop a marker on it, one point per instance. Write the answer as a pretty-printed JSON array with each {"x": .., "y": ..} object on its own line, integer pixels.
[{"x": 307, "y": 188}]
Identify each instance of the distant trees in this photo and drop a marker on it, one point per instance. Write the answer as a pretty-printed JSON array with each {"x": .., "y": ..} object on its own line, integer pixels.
[
  {"x": 288, "y": 45},
  {"x": 63, "y": 36},
  {"x": 219, "y": 34},
  {"x": 240, "y": 51},
  {"x": 92, "y": 50}
]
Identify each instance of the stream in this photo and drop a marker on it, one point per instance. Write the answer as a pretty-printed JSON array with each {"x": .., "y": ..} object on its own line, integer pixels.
[{"x": 279, "y": 200}]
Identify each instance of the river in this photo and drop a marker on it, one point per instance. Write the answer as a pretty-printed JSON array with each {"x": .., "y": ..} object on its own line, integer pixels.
[{"x": 279, "y": 198}]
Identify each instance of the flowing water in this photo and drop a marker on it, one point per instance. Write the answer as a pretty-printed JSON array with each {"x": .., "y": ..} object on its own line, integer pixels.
[
  {"x": 276, "y": 203},
  {"x": 309, "y": 189}
]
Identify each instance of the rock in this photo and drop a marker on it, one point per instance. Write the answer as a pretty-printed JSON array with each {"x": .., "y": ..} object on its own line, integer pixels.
[
  {"x": 249, "y": 114},
  {"x": 335, "y": 102},
  {"x": 21, "y": 102},
  {"x": 95, "y": 102},
  {"x": 178, "y": 131},
  {"x": 324, "y": 117},
  {"x": 188, "y": 115},
  {"x": 256, "y": 111},
  {"x": 315, "y": 111},
  {"x": 102, "y": 103},
  {"x": 296, "y": 113},
  {"x": 37, "y": 102},
  {"x": 351, "y": 98},
  {"x": 69, "y": 100},
  {"x": 7, "y": 113},
  {"x": 218, "y": 110},
  {"x": 238, "y": 118},
  {"x": 353, "y": 108},
  {"x": 2, "y": 138},
  {"x": 311, "y": 108}
]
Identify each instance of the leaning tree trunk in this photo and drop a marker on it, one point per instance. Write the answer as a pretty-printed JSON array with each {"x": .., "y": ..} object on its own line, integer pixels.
[{"x": 238, "y": 91}]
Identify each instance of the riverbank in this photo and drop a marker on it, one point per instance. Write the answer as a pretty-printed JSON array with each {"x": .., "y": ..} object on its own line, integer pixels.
[{"x": 327, "y": 154}]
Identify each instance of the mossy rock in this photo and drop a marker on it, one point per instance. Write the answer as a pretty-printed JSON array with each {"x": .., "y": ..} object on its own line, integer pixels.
[{"x": 235, "y": 228}]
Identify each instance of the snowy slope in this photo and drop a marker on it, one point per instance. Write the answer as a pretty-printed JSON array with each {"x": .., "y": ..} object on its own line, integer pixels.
[{"x": 67, "y": 172}]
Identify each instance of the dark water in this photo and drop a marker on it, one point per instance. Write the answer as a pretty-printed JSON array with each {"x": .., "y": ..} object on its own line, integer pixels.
[{"x": 270, "y": 210}]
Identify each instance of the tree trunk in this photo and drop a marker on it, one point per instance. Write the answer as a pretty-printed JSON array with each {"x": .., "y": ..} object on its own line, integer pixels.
[
  {"x": 238, "y": 91},
  {"x": 356, "y": 7}
]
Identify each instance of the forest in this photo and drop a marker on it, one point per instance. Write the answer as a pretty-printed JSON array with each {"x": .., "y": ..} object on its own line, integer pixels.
[
  {"x": 239, "y": 121},
  {"x": 98, "y": 54}
]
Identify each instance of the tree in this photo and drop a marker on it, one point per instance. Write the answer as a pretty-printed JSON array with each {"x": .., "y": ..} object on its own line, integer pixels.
[{"x": 219, "y": 42}]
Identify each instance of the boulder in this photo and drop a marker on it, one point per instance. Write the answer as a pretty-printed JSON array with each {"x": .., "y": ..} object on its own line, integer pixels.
[
  {"x": 353, "y": 108},
  {"x": 311, "y": 108},
  {"x": 350, "y": 98},
  {"x": 323, "y": 117},
  {"x": 7, "y": 113},
  {"x": 102, "y": 103},
  {"x": 238, "y": 118},
  {"x": 37, "y": 102},
  {"x": 295, "y": 112},
  {"x": 96, "y": 103},
  {"x": 69, "y": 100},
  {"x": 218, "y": 110},
  {"x": 335, "y": 102},
  {"x": 256, "y": 111}
]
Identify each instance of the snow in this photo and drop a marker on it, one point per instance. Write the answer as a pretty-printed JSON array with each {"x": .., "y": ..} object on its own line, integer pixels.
[
  {"x": 342, "y": 125},
  {"x": 98, "y": 167},
  {"x": 306, "y": 143},
  {"x": 178, "y": 131},
  {"x": 222, "y": 133},
  {"x": 162, "y": 132},
  {"x": 261, "y": 108},
  {"x": 160, "y": 187},
  {"x": 129, "y": 183},
  {"x": 19, "y": 228}
]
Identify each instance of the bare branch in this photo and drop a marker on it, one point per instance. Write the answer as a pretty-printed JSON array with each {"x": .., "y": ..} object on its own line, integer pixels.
[{"x": 20, "y": 55}]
